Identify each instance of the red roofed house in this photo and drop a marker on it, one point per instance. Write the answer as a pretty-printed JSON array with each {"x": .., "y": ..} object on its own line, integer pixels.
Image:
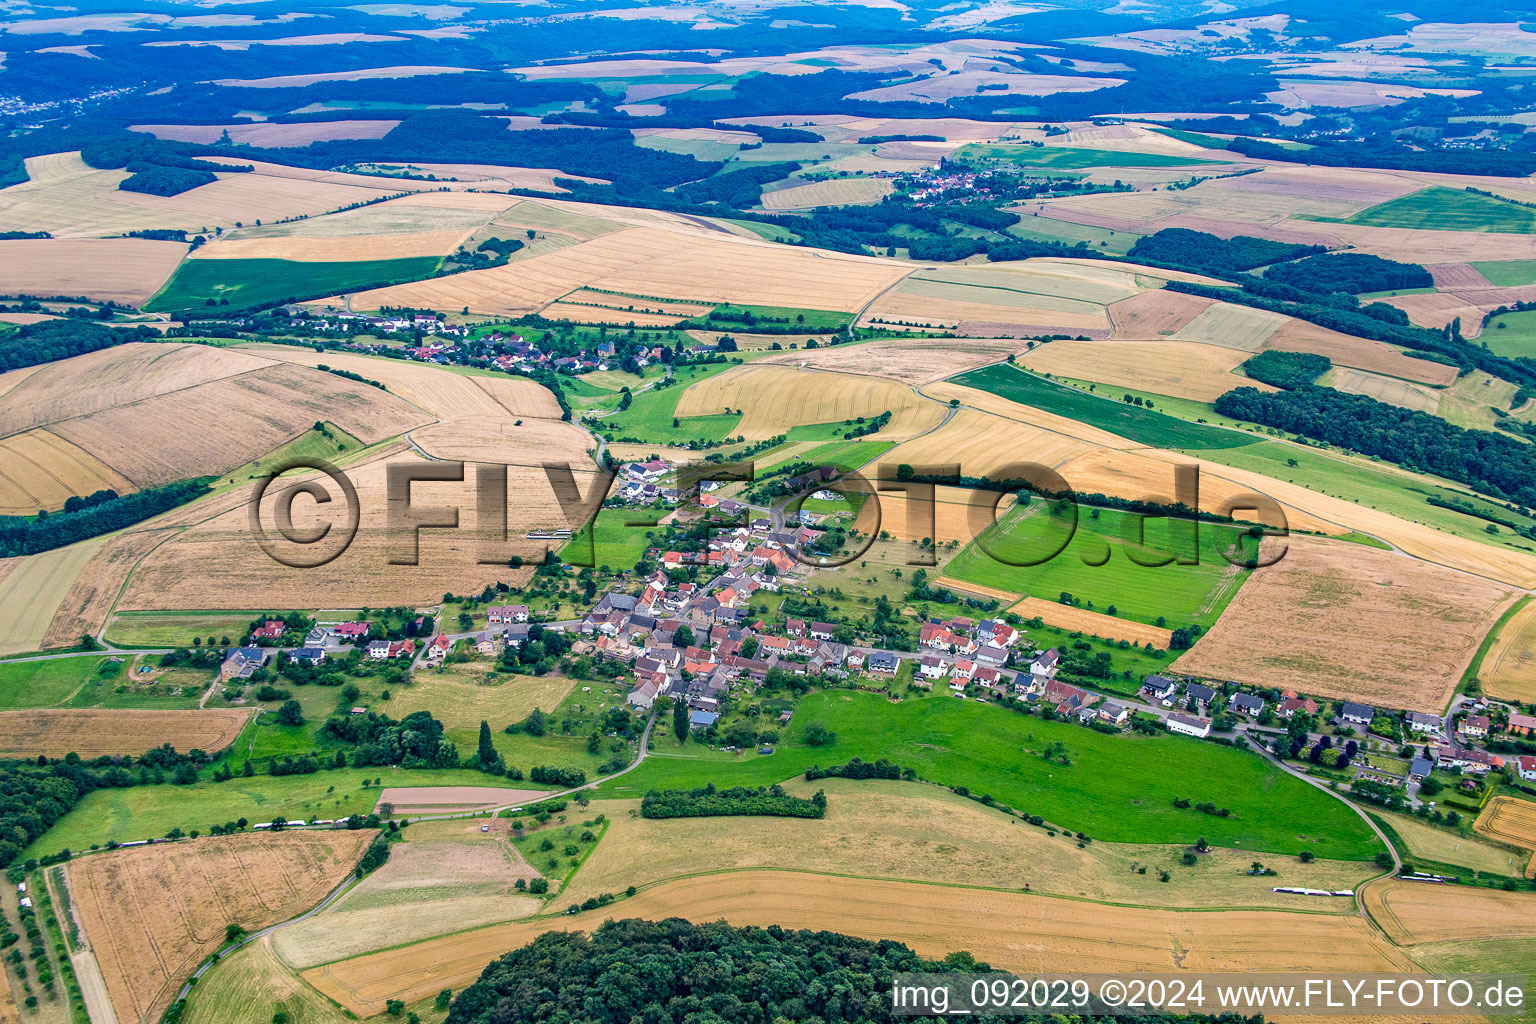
[{"x": 273, "y": 629}]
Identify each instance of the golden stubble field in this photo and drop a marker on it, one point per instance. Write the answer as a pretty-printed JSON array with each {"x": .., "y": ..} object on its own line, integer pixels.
[
  {"x": 1510, "y": 820},
  {"x": 126, "y": 270},
  {"x": 95, "y": 733},
  {"x": 1415, "y": 912},
  {"x": 1349, "y": 621},
  {"x": 1010, "y": 930},
  {"x": 1177, "y": 368},
  {"x": 914, "y": 361},
  {"x": 774, "y": 398},
  {"x": 1509, "y": 668},
  {"x": 153, "y": 913},
  {"x": 658, "y": 261}
]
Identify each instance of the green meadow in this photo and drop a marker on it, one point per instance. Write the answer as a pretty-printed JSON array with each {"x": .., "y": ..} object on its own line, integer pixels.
[
  {"x": 248, "y": 284},
  {"x": 1512, "y": 335},
  {"x": 1137, "y": 423},
  {"x": 1115, "y": 789},
  {"x": 1444, "y": 209},
  {"x": 1095, "y": 560},
  {"x": 1068, "y": 158}
]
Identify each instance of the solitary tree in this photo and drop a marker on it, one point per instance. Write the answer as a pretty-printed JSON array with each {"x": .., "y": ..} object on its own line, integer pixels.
[
  {"x": 487, "y": 749},
  {"x": 291, "y": 713},
  {"x": 680, "y": 721}
]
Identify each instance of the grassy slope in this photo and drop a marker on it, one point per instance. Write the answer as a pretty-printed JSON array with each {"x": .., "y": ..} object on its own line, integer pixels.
[
  {"x": 1147, "y": 426},
  {"x": 1180, "y": 593},
  {"x": 1512, "y": 335},
  {"x": 618, "y": 546},
  {"x": 650, "y": 415},
  {"x": 1110, "y": 791},
  {"x": 1444, "y": 209},
  {"x": 1508, "y": 273},
  {"x": 248, "y": 283}
]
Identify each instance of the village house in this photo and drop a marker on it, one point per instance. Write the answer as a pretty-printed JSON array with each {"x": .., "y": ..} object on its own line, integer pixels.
[
  {"x": 1246, "y": 704},
  {"x": 1475, "y": 761},
  {"x": 1357, "y": 714},
  {"x": 1291, "y": 705},
  {"x": 349, "y": 632},
  {"x": 438, "y": 649},
  {"x": 388, "y": 650},
  {"x": 933, "y": 667},
  {"x": 242, "y": 662},
  {"x": 1475, "y": 726},
  {"x": 1189, "y": 725},
  {"x": 1114, "y": 714},
  {"x": 822, "y": 631},
  {"x": 1420, "y": 768},
  {"x": 1526, "y": 767},
  {"x": 1198, "y": 694},
  {"x": 1521, "y": 725},
  {"x": 489, "y": 643},
  {"x": 272, "y": 629},
  {"x": 882, "y": 663},
  {"x": 1160, "y": 687},
  {"x": 500, "y": 613},
  {"x": 307, "y": 655},
  {"x": 1418, "y": 722}
]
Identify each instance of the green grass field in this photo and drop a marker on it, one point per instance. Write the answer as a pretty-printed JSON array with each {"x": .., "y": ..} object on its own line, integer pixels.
[
  {"x": 251, "y": 283},
  {"x": 1508, "y": 273},
  {"x": 1444, "y": 209},
  {"x": 176, "y": 629},
  {"x": 607, "y": 540},
  {"x": 1045, "y": 229},
  {"x": 1137, "y": 423},
  {"x": 1512, "y": 335},
  {"x": 1064, "y": 158},
  {"x": 1116, "y": 789},
  {"x": 650, "y": 415},
  {"x": 142, "y": 812},
  {"x": 777, "y": 316},
  {"x": 45, "y": 684},
  {"x": 1095, "y": 566}
]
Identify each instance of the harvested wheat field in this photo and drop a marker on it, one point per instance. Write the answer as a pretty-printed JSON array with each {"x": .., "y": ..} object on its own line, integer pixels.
[
  {"x": 111, "y": 377},
  {"x": 1011, "y": 931},
  {"x": 1391, "y": 390},
  {"x": 954, "y": 514},
  {"x": 834, "y": 192},
  {"x": 1177, "y": 368},
  {"x": 218, "y": 426},
  {"x": 534, "y": 443},
  {"x": 40, "y": 470},
  {"x": 127, "y": 270},
  {"x": 920, "y": 832},
  {"x": 773, "y": 398},
  {"x": 1004, "y": 408},
  {"x": 1004, "y": 300},
  {"x": 914, "y": 361},
  {"x": 1437, "y": 309},
  {"x": 660, "y": 261},
  {"x": 1054, "y": 613},
  {"x": 216, "y": 563},
  {"x": 153, "y": 913},
  {"x": 1379, "y": 628},
  {"x": 72, "y": 200},
  {"x": 1231, "y": 326},
  {"x": 1510, "y": 820},
  {"x": 436, "y": 882},
  {"x": 1509, "y": 668},
  {"x": 33, "y": 590},
  {"x": 1153, "y": 315},
  {"x": 976, "y": 589},
  {"x": 1149, "y": 475},
  {"x": 981, "y": 443},
  {"x": 442, "y": 392},
  {"x": 85, "y": 608},
  {"x": 100, "y": 733},
  {"x": 1414, "y": 912}
]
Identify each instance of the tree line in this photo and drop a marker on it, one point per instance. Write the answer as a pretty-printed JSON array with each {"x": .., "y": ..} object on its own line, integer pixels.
[
  {"x": 48, "y": 341},
  {"x": 1493, "y": 463},
  {"x": 1211, "y": 254},
  {"x": 101, "y": 513},
  {"x": 709, "y": 802}
]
